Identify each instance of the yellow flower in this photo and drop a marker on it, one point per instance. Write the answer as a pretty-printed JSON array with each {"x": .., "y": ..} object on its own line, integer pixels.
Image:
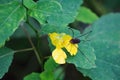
[
  {"x": 71, "y": 48},
  {"x": 60, "y": 41}
]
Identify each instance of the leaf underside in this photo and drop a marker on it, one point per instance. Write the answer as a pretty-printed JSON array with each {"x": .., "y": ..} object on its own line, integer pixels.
[{"x": 106, "y": 41}]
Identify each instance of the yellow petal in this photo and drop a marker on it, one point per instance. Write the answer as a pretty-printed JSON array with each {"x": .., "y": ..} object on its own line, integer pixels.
[
  {"x": 59, "y": 56},
  {"x": 66, "y": 39},
  {"x": 72, "y": 48},
  {"x": 53, "y": 37},
  {"x": 57, "y": 39}
]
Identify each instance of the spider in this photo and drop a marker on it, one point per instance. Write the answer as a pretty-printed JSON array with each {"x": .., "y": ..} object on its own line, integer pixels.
[{"x": 76, "y": 40}]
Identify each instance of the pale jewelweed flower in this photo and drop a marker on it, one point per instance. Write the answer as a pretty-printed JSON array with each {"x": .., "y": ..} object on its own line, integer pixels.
[{"x": 62, "y": 40}]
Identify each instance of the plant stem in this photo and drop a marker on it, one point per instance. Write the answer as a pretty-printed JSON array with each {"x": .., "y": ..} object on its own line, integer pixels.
[
  {"x": 36, "y": 53},
  {"x": 23, "y": 50},
  {"x": 39, "y": 57}
]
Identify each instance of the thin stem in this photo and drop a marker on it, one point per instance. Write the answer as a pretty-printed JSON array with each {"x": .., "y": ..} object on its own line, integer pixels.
[
  {"x": 31, "y": 26},
  {"x": 36, "y": 53},
  {"x": 24, "y": 50},
  {"x": 38, "y": 39}
]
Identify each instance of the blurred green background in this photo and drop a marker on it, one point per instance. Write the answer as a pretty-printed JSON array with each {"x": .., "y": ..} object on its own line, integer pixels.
[{"x": 25, "y": 63}]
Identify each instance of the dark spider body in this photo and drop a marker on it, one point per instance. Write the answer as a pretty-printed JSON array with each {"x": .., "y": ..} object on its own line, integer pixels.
[{"x": 75, "y": 41}]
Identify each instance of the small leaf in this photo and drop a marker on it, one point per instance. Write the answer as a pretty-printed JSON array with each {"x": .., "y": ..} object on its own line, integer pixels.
[
  {"x": 59, "y": 73},
  {"x": 50, "y": 64},
  {"x": 86, "y": 15},
  {"x": 6, "y": 57},
  {"x": 29, "y": 4},
  {"x": 49, "y": 68},
  {"x": 105, "y": 39},
  {"x": 11, "y": 16},
  {"x": 32, "y": 76},
  {"x": 47, "y": 75},
  {"x": 56, "y": 12},
  {"x": 52, "y": 71}
]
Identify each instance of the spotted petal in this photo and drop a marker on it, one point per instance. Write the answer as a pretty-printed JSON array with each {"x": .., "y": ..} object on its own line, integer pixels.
[{"x": 72, "y": 48}]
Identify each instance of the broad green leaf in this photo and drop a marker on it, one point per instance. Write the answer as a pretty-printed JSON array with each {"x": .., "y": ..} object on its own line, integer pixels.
[
  {"x": 32, "y": 76},
  {"x": 56, "y": 12},
  {"x": 85, "y": 58},
  {"x": 6, "y": 57},
  {"x": 86, "y": 15},
  {"x": 50, "y": 65},
  {"x": 29, "y": 4},
  {"x": 11, "y": 16},
  {"x": 50, "y": 28},
  {"x": 105, "y": 39}
]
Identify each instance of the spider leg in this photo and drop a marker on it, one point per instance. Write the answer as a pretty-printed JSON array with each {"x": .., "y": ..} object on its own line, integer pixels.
[
  {"x": 86, "y": 57},
  {"x": 85, "y": 34},
  {"x": 71, "y": 31}
]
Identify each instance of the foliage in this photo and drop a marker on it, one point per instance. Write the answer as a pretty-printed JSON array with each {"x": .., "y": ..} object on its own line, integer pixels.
[
  {"x": 108, "y": 51},
  {"x": 98, "y": 49},
  {"x": 85, "y": 15},
  {"x": 32, "y": 76},
  {"x": 6, "y": 56},
  {"x": 11, "y": 13}
]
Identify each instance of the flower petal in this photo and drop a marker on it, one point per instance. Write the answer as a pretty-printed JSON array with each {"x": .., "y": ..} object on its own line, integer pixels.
[
  {"x": 59, "y": 56},
  {"x": 66, "y": 39},
  {"x": 53, "y": 37},
  {"x": 72, "y": 48},
  {"x": 57, "y": 39}
]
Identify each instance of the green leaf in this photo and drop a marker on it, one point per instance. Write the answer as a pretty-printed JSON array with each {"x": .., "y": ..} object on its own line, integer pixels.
[
  {"x": 59, "y": 73},
  {"x": 32, "y": 76},
  {"x": 5, "y": 1},
  {"x": 47, "y": 75},
  {"x": 50, "y": 65},
  {"x": 11, "y": 16},
  {"x": 49, "y": 68},
  {"x": 56, "y": 12},
  {"x": 50, "y": 28},
  {"x": 6, "y": 56},
  {"x": 8, "y": 1},
  {"x": 52, "y": 71},
  {"x": 86, "y": 15},
  {"x": 29, "y": 4},
  {"x": 85, "y": 58},
  {"x": 105, "y": 39}
]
